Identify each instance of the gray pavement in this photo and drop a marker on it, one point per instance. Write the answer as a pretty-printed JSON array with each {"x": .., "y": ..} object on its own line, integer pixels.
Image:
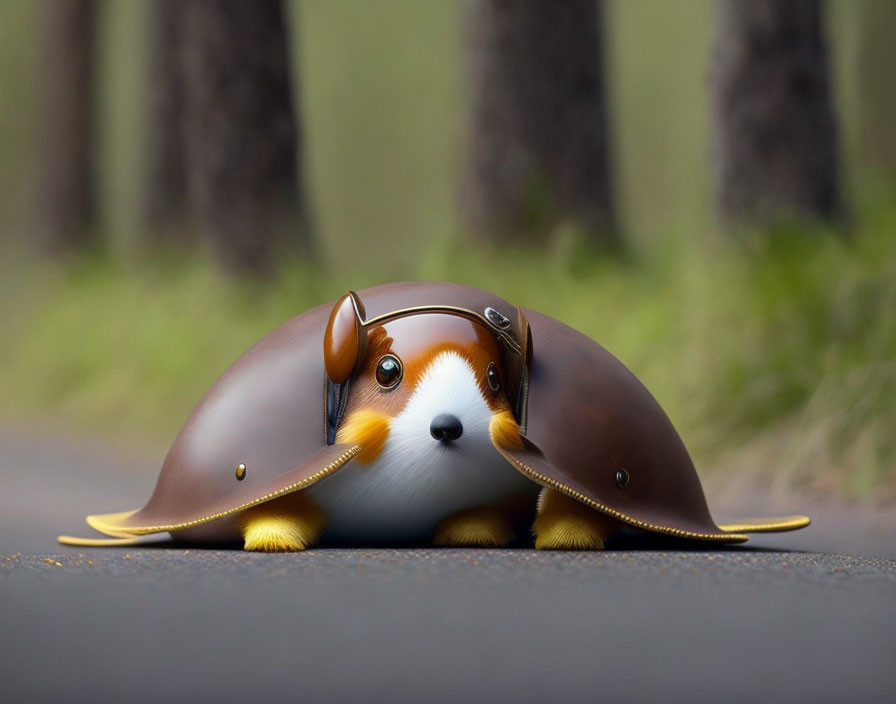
[{"x": 166, "y": 623}]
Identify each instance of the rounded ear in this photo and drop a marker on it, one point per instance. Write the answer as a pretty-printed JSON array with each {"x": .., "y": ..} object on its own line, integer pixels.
[{"x": 345, "y": 339}]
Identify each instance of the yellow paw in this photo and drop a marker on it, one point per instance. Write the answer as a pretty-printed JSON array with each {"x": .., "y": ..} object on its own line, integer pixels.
[
  {"x": 565, "y": 524},
  {"x": 566, "y": 533},
  {"x": 476, "y": 527},
  {"x": 289, "y": 524}
]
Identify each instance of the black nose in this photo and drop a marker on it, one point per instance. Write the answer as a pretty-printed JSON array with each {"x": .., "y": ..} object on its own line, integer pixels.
[{"x": 446, "y": 427}]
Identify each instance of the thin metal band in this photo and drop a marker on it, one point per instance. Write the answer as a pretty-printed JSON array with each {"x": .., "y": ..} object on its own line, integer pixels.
[{"x": 502, "y": 335}]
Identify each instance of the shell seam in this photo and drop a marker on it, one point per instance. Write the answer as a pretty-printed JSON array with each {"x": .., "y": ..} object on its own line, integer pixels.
[
  {"x": 145, "y": 530},
  {"x": 554, "y": 484}
]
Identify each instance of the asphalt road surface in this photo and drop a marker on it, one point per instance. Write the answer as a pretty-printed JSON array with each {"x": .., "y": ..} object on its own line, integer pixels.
[{"x": 168, "y": 624}]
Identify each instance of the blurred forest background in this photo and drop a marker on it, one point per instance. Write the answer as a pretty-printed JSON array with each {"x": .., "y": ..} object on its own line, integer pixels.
[{"x": 707, "y": 188}]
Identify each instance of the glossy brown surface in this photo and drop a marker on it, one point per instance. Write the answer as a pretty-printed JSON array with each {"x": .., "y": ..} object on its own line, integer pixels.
[
  {"x": 344, "y": 340},
  {"x": 590, "y": 416}
]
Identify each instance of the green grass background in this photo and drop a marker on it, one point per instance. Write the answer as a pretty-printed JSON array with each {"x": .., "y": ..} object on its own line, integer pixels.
[{"x": 773, "y": 355}]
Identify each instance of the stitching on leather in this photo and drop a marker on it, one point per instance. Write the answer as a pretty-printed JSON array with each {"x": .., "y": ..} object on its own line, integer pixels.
[
  {"x": 145, "y": 530},
  {"x": 553, "y": 484}
]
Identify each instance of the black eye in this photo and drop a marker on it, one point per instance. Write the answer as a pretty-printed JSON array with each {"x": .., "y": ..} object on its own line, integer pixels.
[
  {"x": 388, "y": 371},
  {"x": 493, "y": 377}
]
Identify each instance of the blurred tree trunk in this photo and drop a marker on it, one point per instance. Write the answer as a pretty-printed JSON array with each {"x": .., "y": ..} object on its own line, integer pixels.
[
  {"x": 538, "y": 152},
  {"x": 65, "y": 194},
  {"x": 876, "y": 86},
  {"x": 165, "y": 204},
  {"x": 241, "y": 132},
  {"x": 775, "y": 131}
]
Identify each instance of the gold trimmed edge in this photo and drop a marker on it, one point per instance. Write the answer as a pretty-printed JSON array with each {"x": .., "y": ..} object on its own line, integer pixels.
[
  {"x": 539, "y": 478},
  {"x": 109, "y": 523},
  {"x": 766, "y": 525},
  {"x": 95, "y": 542},
  {"x": 99, "y": 522}
]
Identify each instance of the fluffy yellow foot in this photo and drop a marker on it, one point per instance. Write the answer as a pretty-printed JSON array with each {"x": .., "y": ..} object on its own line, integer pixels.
[
  {"x": 566, "y": 524},
  {"x": 479, "y": 527},
  {"x": 288, "y": 524}
]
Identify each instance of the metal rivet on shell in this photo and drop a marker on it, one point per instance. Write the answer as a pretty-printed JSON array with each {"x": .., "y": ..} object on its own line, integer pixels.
[
  {"x": 621, "y": 477},
  {"x": 497, "y": 318},
  {"x": 240, "y": 471}
]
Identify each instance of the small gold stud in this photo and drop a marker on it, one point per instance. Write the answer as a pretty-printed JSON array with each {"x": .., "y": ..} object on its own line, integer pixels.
[{"x": 241, "y": 471}]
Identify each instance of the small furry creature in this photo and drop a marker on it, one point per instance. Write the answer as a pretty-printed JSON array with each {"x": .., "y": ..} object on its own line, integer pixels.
[{"x": 425, "y": 412}]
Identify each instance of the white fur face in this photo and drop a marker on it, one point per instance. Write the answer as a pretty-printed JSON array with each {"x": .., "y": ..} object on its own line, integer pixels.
[{"x": 417, "y": 480}]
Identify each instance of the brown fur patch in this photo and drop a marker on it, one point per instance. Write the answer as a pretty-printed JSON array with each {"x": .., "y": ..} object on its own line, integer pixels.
[{"x": 417, "y": 340}]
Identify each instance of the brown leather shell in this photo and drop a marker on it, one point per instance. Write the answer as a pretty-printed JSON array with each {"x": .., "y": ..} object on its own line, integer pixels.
[
  {"x": 267, "y": 411},
  {"x": 586, "y": 418}
]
